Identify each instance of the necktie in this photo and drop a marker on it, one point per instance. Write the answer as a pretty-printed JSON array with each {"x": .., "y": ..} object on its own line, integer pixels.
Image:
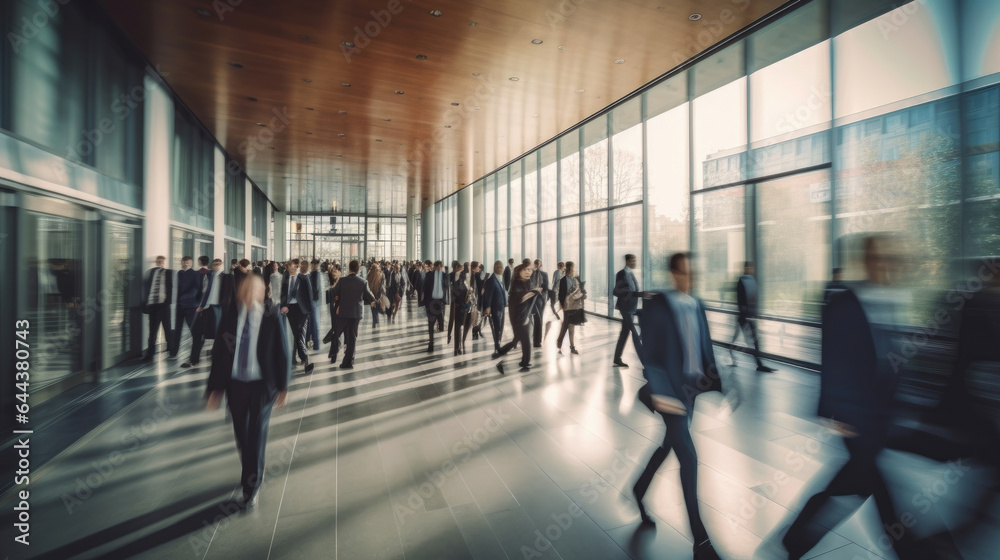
[{"x": 244, "y": 357}]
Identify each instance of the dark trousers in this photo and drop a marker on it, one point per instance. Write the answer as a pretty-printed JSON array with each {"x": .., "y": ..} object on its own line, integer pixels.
[
  {"x": 348, "y": 328},
  {"x": 536, "y": 319},
  {"x": 860, "y": 476},
  {"x": 748, "y": 327},
  {"x": 251, "y": 411},
  {"x": 678, "y": 438},
  {"x": 628, "y": 328},
  {"x": 462, "y": 321},
  {"x": 496, "y": 325},
  {"x": 298, "y": 322},
  {"x": 207, "y": 321},
  {"x": 433, "y": 319},
  {"x": 522, "y": 336},
  {"x": 159, "y": 314},
  {"x": 183, "y": 315}
]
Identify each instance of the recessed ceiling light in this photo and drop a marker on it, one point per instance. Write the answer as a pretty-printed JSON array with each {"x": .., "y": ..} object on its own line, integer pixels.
[
  {"x": 251, "y": 99},
  {"x": 513, "y": 78},
  {"x": 347, "y": 44},
  {"x": 307, "y": 80},
  {"x": 454, "y": 104},
  {"x": 475, "y": 73},
  {"x": 345, "y": 84},
  {"x": 579, "y": 91},
  {"x": 694, "y": 17},
  {"x": 305, "y": 37},
  {"x": 270, "y": 147},
  {"x": 310, "y": 109},
  {"x": 339, "y": 155},
  {"x": 202, "y": 12},
  {"x": 235, "y": 64},
  {"x": 536, "y": 41},
  {"x": 447, "y": 126},
  {"x": 399, "y": 92},
  {"x": 309, "y": 133},
  {"x": 378, "y": 139},
  {"x": 261, "y": 124},
  {"x": 341, "y": 112},
  {"x": 473, "y": 24},
  {"x": 562, "y": 48},
  {"x": 421, "y": 57},
  {"x": 619, "y": 61},
  {"x": 534, "y": 116},
  {"x": 476, "y": 108},
  {"x": 387, "y": 120},
  {"x": 342, "y": 135},
  {"x": 436, "y": 13}
]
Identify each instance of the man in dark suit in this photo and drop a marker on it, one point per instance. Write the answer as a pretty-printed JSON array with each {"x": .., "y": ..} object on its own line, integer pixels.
[
  {"x": 217, "y": 293},
  {"x": 188, "y": 297},
  {"x": 250, "y": 364},
  {"x": 628, "y": 294},
  {"x": 157, "y": 293},
  {"x": 314, "y": 282},
  {"x": 435, "y": 287},
  {"x": 746, "y": 321},
  {"x": 539, "y": 279},
  {"x": 507, "y": 274},
  {"x": 858, "y": 381},
  {"x": 677, "y": 369},
  {"x": 349, "y": 295},
  {"x": 296, "y": 304},
  {"x": 495, "y": 304}
]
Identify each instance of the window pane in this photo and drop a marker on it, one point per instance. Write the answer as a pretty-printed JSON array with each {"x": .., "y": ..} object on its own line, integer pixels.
[
  {"x": 720, "y": 135},
  {"x": 549, "y": 250},
  {"x": 876, "y": 65},
  {"x": 549, "y": 182},
  {"x": 595, "y": 272},
  {"x": 569, "y": 179},
  {"x": 502, "y": 201},
  {"x": 720, "y": 248},
  {"x": 531, "y": 189},
  {"x": 628, "y": 165},
  {"x": 569, "y": 245},
  {"x": 980, "y": 37},
  {"x": 531, "y": 241},
  {"x": 595, "y": 164},
  {"x": 793, "y": 233},
  {"x": 790, "y": 96},
  {"x": 628, "y": 238},
  {"x": 516, "y": 251},
  {"x": 516, "y": 190},
  {"x": 667, "y": 197},
  {"x": 490, "y": 204}
]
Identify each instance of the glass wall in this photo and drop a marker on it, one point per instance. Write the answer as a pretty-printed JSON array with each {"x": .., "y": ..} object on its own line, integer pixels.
[
  {"x": 343, "y": 238},
  {"x": 833, "y": 121}
]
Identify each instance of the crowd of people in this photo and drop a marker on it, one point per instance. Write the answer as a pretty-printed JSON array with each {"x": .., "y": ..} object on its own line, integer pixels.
[{"x": 267, "y": 316}]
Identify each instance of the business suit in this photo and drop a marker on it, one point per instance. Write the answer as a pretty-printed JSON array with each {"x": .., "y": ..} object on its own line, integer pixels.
[
  {"x": 628, "y": 294},
  {"x": 857, "y": 388},
  {"x": 312, "y": 331},
  {"x": 495, "y": 299},
  {"x": 506, "y": 278},
  {"x": 188, "y": 297},
  {"x": 539, "y": 278},
  {"x": 349, "y": 295},
  {"x": 461, "y": 319},
  {"x": 158, "y": 310},
  {"x": 520, "y": 304},
  {"x": 250, "y": 396},
  {"x": 746, "y": 321},
  {"x": 298, "y": 312},
  {"x": 208, "y": 320},
  {"x": 434, "y": 306},
  {"x": 678, "y": 361}
]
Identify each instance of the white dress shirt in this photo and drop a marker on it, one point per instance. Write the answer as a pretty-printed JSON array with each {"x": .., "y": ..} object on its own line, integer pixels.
[
  {"x": 213, "y": 294},
  {"x": 252, "y": 372},
  {"x": 686, "y": 310}
]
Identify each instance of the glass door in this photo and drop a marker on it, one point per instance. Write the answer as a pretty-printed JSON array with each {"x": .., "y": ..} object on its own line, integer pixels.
[{"x": 121, "y": 293}]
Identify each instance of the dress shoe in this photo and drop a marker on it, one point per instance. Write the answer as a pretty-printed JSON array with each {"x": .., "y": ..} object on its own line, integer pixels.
[
  {"x": 500, "y": 367},
  {"x": 705, "y": 551},
  {"x": 346, "y": 366},
  {"x": 646, "y": 519},
  {"x": 537, "y": 345},
  {"x": 572, "y": 350},
  {"x": 621, "y": 364},
  {"x": 524, "y": 369},
  {"x": 310, "y": 368},
  {"x": 189, "y": 364},
  {"x": 764, "y": 369},
  {"x": 251, "y": 502},
  {"x": 430, "y": 349},
  {"x": 495, "y": 355},
  {"x": 172, "y": 357}
]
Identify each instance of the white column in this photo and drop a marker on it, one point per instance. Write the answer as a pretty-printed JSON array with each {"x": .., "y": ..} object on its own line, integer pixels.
[
  {"x": 427, "y": 234},
  {"x": 247, "y": 239},
  {"x": 157, "y": 149},
  {"x": 219, "y": 220},
  {"x": 411, "y": 241},
  {"x": 478, "y": 207},
  {"x": 464, "y": 233},
  {"x": 280, "y": 235}
]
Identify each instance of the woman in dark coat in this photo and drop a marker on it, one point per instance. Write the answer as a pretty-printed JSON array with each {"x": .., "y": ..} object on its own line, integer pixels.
[{"x": 521, "y": 301}]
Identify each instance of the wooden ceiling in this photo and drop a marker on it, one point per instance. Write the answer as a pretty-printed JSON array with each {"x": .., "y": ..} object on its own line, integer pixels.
[{"x": 486, "y": 92}]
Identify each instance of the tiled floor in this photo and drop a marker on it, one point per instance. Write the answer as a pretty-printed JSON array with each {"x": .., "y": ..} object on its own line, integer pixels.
[{"x": 419, "y": 456}]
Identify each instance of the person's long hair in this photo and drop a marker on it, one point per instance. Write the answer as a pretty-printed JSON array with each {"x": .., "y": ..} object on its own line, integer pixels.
[
  {"x": 375, "y": 279},
  {"x": 570, "y": 269}
]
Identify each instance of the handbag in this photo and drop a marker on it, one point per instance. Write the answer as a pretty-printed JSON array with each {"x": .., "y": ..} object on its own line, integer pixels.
[{"x": 383, "y": 302}]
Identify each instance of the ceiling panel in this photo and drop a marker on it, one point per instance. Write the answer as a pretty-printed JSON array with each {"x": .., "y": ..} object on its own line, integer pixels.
[{"x": 269, "y": 80}]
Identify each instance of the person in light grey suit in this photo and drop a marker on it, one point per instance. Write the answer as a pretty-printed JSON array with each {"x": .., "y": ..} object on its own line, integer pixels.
[{"x": 350, "y": 294}]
